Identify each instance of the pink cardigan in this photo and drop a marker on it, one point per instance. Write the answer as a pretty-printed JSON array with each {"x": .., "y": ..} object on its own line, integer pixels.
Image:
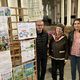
[{"x": 76, "y": 45}]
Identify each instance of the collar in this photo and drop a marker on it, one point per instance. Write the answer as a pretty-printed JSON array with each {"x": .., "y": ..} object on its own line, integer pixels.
[{"x": 57, "y": 39}]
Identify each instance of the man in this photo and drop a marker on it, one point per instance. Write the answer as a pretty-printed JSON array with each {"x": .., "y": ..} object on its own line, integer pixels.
[{"x": 41, "y": 49}]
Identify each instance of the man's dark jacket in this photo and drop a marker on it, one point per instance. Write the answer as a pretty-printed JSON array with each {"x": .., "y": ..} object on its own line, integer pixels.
[{"x": 41, "y": 43}]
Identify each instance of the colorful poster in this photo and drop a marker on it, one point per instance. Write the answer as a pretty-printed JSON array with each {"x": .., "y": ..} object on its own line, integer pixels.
[
  {"x": 27, "y": 50},
  {"x": 5, "y": 57},
  {"x": 18, "y": 73},
  {"x": 5, "y": 11},
  {"x": 26, "y": 30},
  {"x": 28, "y": 69}
]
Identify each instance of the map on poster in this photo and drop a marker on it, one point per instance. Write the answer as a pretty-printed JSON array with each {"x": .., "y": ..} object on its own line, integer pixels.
[
  {"x": 5, "y": 11},
  {"x": 27, "y": 50},
  {"x": 26, "y": 30}
]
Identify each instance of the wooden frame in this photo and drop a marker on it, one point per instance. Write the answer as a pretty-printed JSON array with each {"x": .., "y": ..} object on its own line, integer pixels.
[{"x": 15, "y": 47}]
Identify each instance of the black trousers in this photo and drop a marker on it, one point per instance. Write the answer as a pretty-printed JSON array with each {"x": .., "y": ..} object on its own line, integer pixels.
[
  {"x": 41, "y": 67},
  {"x": 57, "y": 65}
]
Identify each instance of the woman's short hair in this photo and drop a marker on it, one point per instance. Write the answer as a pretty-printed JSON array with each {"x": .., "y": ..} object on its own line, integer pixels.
[{"x": 61, "y": 25}]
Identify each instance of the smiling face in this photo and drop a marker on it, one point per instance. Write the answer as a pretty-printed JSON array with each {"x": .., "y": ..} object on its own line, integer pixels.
[
  {"x": 59, "y": 30},
  {"x": 39, "y": 26},
  {"x": 76, "y": 25}
]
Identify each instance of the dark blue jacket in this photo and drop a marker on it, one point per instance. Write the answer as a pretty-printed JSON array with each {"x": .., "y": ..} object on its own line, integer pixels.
[{"x": 41, "y": 43}]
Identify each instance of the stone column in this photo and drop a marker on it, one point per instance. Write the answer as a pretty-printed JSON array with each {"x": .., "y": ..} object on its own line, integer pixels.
[
  {"x": 55, "y": 13},
  {"x": 58, "y": 12},
  {"x": 62, "y": 11},
  {"x": 78, "y": 15},
  {"x": 44, "y": 3},
  {"x": 73, "y": 6},
  {"x": 68, "y": 12}
]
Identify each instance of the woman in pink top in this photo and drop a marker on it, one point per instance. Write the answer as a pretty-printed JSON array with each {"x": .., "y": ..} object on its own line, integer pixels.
[{"x": 74, "y": 48}]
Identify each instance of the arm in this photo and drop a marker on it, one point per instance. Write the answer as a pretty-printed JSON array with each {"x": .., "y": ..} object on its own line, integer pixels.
[
  {"x": 66, "y": 48},
  {"x": 50, "y": 46}
]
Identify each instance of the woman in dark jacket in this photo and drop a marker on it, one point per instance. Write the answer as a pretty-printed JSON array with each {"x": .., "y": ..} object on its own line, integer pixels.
[
  {"x": 41, "y": 49},
  {"x": 58, "y": 52}
]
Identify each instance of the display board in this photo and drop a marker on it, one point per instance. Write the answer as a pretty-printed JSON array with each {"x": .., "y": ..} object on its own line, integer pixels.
[
  {"x": 5, "y": 56},
  {"x": 17, "y": 47}
]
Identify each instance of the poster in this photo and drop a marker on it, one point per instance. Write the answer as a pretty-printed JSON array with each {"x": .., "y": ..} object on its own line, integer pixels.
[
  {"x": 5, "y": 11},
  {"x": 34, "y": 9},
  {"x": 18, "y": 73},
  {"x": 4, "y": 36},
  {"x": 26, "y": 30},
  {"x": 5, "y": 65},
  {"x": 28, "y": 69},
  {"x": 27, "y": 50},
  {"x": 5, "y": 57}
]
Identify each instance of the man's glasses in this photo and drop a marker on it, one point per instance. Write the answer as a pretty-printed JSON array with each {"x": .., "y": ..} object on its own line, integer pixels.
[{"x": 40, "y": 25}]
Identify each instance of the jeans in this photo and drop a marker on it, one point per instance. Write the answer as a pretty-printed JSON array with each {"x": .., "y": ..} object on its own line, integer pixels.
[{"x": 75, "y": 61}]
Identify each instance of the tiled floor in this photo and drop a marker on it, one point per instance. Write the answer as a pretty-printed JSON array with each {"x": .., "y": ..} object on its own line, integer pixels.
[{"x": 67, "y": 72}]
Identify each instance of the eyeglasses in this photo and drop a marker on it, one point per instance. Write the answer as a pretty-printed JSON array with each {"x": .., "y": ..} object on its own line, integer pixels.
[{"x": 40, "y": 25}]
